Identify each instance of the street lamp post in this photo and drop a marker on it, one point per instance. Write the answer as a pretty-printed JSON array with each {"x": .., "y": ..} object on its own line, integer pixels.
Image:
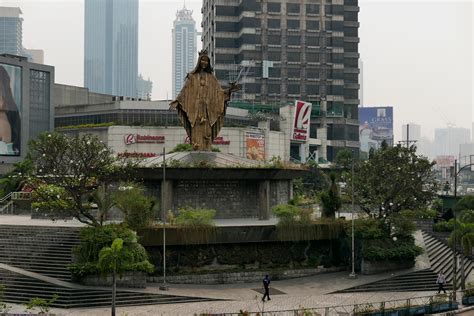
[
  {"x": 352, "y": 275},
  {"x": 164, "y": 287}
]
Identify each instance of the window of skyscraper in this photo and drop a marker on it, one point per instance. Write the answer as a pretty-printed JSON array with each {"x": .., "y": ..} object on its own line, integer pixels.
[
  {"x": 274, "y": 7},
  {"x": 293, "y": 8},
  {"x": 293, "y": 24},
  {"x": 312, "y": 9}
]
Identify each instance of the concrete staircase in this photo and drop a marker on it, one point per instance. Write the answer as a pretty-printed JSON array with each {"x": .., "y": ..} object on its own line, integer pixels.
[
  {"x": 44, "y": 250},
  {"x": 34, "y": 263},
  {"x": 441, "y": 259}
]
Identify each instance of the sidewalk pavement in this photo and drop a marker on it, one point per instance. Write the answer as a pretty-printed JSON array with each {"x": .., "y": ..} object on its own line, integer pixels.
[{"x": 309, "y": 292}]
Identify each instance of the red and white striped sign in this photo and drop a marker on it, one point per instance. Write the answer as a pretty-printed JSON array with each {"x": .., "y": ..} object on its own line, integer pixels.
[{"x": 301, "y": 121}]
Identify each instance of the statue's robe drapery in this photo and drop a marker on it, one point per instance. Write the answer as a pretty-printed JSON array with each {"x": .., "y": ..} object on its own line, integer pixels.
[{"x": 201, "y": 108}]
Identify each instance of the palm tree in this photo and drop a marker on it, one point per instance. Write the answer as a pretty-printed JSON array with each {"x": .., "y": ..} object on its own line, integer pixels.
[
  {"x": 464, "y": 237},
  {"x": 114, "y": 259}
]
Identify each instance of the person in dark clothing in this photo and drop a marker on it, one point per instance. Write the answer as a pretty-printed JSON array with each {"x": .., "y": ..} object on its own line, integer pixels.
[{"x": 266, "y": 286}]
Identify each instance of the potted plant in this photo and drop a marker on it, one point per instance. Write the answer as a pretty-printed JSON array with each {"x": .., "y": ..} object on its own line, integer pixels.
[{"x": 468, "y": 296}]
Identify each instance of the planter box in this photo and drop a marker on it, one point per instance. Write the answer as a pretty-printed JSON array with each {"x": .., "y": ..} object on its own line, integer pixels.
[
  {"x": 417, "y": 310},
  {"x": 443, "y": 307},
  {"x": 373, "y": 267},
  {"x": 129, "y": 279},
  {"x": 468, "y": 300}
]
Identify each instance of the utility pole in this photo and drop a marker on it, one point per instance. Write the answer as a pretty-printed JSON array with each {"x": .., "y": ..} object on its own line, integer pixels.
[{"x": 408, "y": 141}]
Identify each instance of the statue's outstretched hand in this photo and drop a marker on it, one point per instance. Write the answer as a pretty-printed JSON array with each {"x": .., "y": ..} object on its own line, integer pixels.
[
  {"x": 234, "y": 86},
  {"x": 174, "y": 104}
]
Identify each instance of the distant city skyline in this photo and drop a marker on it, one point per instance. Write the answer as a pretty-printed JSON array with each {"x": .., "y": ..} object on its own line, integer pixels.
[
  {"x": 408, "y": 65},
  {"x": 111, "y": 47}
]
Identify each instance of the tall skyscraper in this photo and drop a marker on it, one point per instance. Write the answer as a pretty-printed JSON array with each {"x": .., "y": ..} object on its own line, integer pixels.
[
  {"x": 184, "y": 47},
  {"x": 111, "y": 46},
  {"x": 11, "y": 31},
  {"x": 144, "y": 88},
  {"x": 286, "y": 50},
  {"x": 448, "y": 140}
]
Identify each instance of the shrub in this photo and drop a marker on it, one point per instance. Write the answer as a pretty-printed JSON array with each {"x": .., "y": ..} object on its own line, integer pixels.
[
  {"x": 469, "y": 290},
  {"x": 93, "y": 239},
  {"x": 137, "y": 207},
  {"x": 419, "y": 214},
  {"x": 366, "y": 228},
  {"x": 444, "y": 226},
  {"x": 43, "y": 305},
  {"x": 195, "y": 217},
  {"x": 286, "y": 213},
  {"x": 389, "y": 250}
]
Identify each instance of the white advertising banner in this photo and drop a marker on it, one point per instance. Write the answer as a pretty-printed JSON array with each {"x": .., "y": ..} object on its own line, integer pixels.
[{"x": 301, "y": 121}]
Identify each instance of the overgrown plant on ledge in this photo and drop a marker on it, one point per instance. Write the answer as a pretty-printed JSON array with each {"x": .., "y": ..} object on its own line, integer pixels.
[
  {"x": 197, "y": 224},
  {"x": 295, "y": 223}
]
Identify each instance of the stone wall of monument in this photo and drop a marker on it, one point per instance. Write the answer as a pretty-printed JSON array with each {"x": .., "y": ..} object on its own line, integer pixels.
[{"x": 230, "y": 198}]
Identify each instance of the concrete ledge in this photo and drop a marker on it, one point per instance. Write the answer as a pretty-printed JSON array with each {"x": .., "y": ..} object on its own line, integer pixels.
[
  {"x": 241, "y": 277},
  {"x": 374, "y": 267},
  {"x": 128, "y": 279}
]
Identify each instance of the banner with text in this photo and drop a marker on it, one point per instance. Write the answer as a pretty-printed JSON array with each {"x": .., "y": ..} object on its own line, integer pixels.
[{"x": 301, "y": 120}]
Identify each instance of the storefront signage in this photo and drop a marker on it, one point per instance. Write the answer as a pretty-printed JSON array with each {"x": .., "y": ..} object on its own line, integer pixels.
[
  {"x": 301, "y": 120},
  {"x": 127, "y": 154},
  {"x": 139, "y": 139}
]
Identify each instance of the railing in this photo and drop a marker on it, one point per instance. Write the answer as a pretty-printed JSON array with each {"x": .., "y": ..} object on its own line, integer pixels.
[
  {"x": 6, "y": 197},
  {"x": 7, "y": 208},
  {"x": 411, "y": 306},
  {"x": 21, "y": 195}
]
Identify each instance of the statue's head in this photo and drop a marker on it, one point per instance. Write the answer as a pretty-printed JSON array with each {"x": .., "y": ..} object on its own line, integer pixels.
[{"x": 204, "y": 63}]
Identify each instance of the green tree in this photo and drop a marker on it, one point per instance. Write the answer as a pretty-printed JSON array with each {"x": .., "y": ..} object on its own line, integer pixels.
[
  {"x": 114, "y": 259},
  {"x": 465, "y": 203},
  {"x": 330, "y": 199},
  {"x": 344, "y": 158},
  {"x": 394, "y": 179},
  {"x": 104, "y": 200},
  {"x": 15, "y": 179},
  {"x": 463, "y": 236},
  {"x": 137, "y": 207},
  {"x": 78, "y": 165}
]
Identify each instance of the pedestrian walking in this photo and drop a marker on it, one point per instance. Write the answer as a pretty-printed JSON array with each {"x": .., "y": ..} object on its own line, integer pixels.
[
  {"x": 441, "y": 281},
  {"x": 266, "y": 287}
]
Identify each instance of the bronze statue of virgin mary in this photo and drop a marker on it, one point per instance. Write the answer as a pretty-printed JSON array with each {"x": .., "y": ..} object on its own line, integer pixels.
[{"x": 202, "y": 104}]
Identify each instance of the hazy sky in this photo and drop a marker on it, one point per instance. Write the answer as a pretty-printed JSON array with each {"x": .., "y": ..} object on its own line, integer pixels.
[{"x": 417, "y": 55}]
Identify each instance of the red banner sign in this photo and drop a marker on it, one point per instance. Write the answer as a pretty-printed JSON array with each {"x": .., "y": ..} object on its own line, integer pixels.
[
  {"x": 301, "y": 121},
  {"x": 137, "y": 139}
]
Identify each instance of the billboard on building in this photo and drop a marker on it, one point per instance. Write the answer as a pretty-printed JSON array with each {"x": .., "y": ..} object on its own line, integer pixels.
[
  {"x": 10, "y": 110},
  {"x": 255, "y": 145},
  {"x": 301, "y": 121},
  {"x": 375, "y": 126}
]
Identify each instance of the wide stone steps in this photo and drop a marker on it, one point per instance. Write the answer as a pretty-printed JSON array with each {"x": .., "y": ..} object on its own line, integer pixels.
[
  {"x": 441, "y": 259},
  {"x": 20, "y": 289},
  {"x": 48, "y": 251},
  {"x": 422, "y": 280},
  {"x": 44, "y": 250}
]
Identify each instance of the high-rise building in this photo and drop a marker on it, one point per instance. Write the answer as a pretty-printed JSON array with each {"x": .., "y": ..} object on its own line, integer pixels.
[
  {"x": 184, "y": 47},
  {"x": 286, "y": 50},
  {"x": 144, "y": 88},
  {"x": 111, "y": 46},
  {"x": 11, "y": 31},
  {"x": 448, "y": 140},
  {"x": 34, "y": 55}
]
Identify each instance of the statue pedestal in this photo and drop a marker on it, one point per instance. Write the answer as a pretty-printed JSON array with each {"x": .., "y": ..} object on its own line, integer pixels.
[{"x": 233, "y": 186}]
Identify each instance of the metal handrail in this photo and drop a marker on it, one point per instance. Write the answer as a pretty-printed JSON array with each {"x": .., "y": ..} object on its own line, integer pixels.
[{"x": 6, "y": 197}]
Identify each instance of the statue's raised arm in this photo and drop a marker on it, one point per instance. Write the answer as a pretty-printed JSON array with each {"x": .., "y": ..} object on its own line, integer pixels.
[{"x": 201, "y": 104}]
